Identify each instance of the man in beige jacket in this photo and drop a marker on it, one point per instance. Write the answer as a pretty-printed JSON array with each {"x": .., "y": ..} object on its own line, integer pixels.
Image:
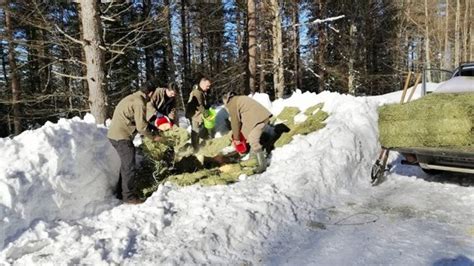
[
  {"x": 196, "y": 109},
  {"x": 162, "y": 103},
  {"x": 128, "y": 120},
  {"x": 248, "y": 117}
]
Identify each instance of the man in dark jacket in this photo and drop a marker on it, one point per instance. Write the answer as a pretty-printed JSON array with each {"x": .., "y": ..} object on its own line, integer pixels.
[
  {"x": 162, "y": 103},
  {"x": 128, "y": 120},
  {"x": 249, "y": 117},
  {"x": 196, "y": 109}
]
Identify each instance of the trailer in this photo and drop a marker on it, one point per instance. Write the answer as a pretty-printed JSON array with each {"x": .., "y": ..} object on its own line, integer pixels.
[{"x": 435, "y": 160}]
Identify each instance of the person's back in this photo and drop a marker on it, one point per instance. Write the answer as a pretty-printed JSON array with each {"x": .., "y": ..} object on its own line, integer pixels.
[
  {"x": 248, "y": 117},
  {"x": 247, "y": 112},
  {"x": 196, "y": 104},
  {"x": 129, "y": 117}
]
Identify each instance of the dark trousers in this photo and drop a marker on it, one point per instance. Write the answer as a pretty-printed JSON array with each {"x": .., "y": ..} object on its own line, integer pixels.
[
  {"x": 198, "y": 131},
  {"x": 126, "y": 183}
]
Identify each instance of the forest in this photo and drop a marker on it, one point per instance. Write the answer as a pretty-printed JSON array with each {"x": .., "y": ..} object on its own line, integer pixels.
[{"x": 66, "y": 58}]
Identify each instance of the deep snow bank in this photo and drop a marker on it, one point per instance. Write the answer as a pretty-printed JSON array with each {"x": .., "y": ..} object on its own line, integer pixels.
[
  {"x": 59, "y": 171},
  {"x": 242, "y": 223}
]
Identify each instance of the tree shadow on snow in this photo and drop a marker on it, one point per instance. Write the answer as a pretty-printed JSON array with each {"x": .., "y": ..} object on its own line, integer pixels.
[{"x": 460, "y": 260}]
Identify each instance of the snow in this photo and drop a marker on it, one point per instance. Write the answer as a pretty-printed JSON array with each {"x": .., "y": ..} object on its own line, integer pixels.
[
  {"x": 60, "y": 171},
  {"x": 313, "y": 205},
  {"x": 456, "y": 85},
  {"x": 394, "y": 97}
]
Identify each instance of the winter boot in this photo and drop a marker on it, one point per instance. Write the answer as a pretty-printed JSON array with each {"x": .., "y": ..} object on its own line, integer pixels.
[{"x": 261, "y": 162}]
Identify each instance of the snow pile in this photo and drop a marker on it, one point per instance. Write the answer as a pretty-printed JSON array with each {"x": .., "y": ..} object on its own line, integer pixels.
[
  {"x": 263, "y": 99},
  {"x": 59, "y": 171},
  {"x": 219, "y": 224},
  {"x": 457, "y": 85},
  {"x": 336, "y": 158},
  {"x": 313, "y": 205},
  {"x": 394, "y": 97}
]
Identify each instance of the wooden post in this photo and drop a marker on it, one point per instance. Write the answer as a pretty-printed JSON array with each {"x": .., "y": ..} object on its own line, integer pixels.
[
  {"x": 418, "y": 77},
  {"x": 407, "y": 82}
]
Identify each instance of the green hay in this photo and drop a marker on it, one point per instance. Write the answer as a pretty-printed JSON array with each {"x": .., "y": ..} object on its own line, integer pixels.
[
  {"x": 177, "y": 137},
  {"x": 211, "y": 177},
  {"x": 171, "y": 141},
  {"x": 213, "y": 147},
  {"x": 187, "y": 179},
  {"x": 312, "y": 123},
  {"x": 434, "y": 121},
  {"x": 312, "y": 110},
  {"x": 287, "y": 115},
  {"x": 209, "y": 167}
]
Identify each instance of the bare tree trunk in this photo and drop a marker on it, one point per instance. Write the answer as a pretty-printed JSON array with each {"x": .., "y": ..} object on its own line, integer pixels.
[
  {"x": 239, "y": 31},
  {"x": 466, "y": 31},
  {"x": 427, "y": 42},
  {"x": 149, "y": 56},
  {"x": 351, "y": 76},
  {"x": 83, "y": 59},
  {"x": 92, "y": 30},
  {"x": 261, "y": 47},
  {"x": 457, "y": 30},
  {"x": 278, "y": 78},
  {"x": 169, "y": 46},
  {"x": 261, "y": 82},
  {"x": 252, "y": 49},
  {"x": 184, "y": 44},
  {"x": 296, "y": 44},
  {"x": 14, "y": 79},
  {"x": 471, "y": 38},
  {"x": 201, "y": 43},
  {"x": 447, "y": 54},
  {"x": 408, "y": 40},
  {"x": 321, "y": 46},
  {"x": 66, "y": 80},
  {"x": 4, "y": 64},
  {"x": 191, "y": 48}
]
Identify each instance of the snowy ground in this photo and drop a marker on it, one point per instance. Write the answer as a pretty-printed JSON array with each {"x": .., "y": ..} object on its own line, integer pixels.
[{"x": 314, "y": 204}]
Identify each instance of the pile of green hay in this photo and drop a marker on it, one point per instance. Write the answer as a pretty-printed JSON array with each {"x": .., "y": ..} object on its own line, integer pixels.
[
  {"x": 434, "y": 121},
  {"x": 287, "y": 115},
  {"x": 314, "y": 121},
  {"x": 213, "y": 147},
  {"x": 211, "y": 177},
  {"x": 174, "y": 163},
  {"x": 170, "y": 160},
  {"x": 172, "y": 141}
]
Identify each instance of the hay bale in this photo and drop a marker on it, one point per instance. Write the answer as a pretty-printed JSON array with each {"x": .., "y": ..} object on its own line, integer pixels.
[
  {"x": 187, "y": 179},
  {"x": 229, "y": 168},
  {"x": 171, "y": 141},
  {"x": 287, "y": 115},
  {"x": 313, "y": 109},
  {"x": 177, "y": 136},
  {"x": 434, "y": 121},
  {"x": 213, "y": 147},
  {"x": 313, "y": 122}
]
